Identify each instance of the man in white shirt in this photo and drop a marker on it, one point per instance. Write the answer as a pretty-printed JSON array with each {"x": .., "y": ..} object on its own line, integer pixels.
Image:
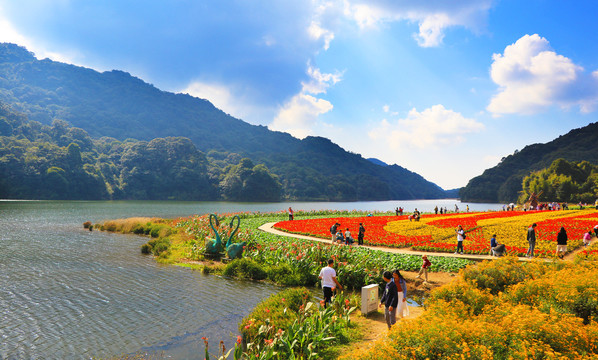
[{"x": 329, "y": 282}]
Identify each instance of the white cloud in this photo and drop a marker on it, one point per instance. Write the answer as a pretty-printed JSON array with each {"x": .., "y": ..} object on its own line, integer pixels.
[
  {"x": 532, "y": 78},
  {"x": 227, "y": 99},
  {"x": 429, "y": 128},
  {"x": 317, "y": 32},
  {"x": 319, "y": 82},
  {"x": 298, "y": 115},
  {"x": 9, "y": 34},
  {"x": 433, "y": 17}
]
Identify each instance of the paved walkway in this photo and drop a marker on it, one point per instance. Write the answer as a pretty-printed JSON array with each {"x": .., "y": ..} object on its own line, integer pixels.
[{"x": 268, "y": 227}]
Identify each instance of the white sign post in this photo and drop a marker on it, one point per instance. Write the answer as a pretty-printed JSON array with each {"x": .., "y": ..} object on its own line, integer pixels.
[{"x": 369, "y": 299}]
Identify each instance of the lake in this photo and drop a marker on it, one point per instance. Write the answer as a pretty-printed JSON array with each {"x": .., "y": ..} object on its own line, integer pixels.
[{"x": 68, "y": 293}]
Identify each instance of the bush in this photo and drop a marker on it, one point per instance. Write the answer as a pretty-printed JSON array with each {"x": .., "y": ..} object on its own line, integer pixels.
[
  {"x": 497, "y": 275},
  {"x": 245, "y": 269},
  {"x": 159, "y": 230},
  {"x": 146, "y": 249},
  {"x": 571, "y": 290},
  {"x": 474, "y": 300},
  {"x": 157, "y": 246}
]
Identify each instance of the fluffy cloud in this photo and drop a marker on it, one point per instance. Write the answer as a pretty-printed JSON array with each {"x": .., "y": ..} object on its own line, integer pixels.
[
  {"x": 532, "y": 78},
  {"x": 228, "y": 99},
  {"x": 298, "y": 115},
  {"x": 429, "y": 128},
  {"x": 433, "y": 17}
]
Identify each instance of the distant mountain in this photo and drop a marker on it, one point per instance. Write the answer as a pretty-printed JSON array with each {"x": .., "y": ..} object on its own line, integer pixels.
[
  {"x": 117, "y": 105},
  {"x": 377, "y": 162},
  {"x": 503, "y": 182}
]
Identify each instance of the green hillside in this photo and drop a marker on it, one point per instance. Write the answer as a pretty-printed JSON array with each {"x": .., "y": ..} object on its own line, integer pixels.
[
  {"x": 117, "y": 105},
  {"x": 503, "y": 182}
]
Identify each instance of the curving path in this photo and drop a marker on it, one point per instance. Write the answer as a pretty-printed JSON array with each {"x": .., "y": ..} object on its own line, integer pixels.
[{"x": 268, "y": 227}]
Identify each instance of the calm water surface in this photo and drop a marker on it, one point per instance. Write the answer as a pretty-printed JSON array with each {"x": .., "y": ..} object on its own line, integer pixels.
[{"x": 67, "y": 293}]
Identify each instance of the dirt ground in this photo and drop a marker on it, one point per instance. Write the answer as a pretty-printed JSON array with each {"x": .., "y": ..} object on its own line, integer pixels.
[{"x": 374, "y": 326}]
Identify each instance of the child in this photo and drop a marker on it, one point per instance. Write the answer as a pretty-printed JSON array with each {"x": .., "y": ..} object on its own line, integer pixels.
[{"x": 424, "y": 269}]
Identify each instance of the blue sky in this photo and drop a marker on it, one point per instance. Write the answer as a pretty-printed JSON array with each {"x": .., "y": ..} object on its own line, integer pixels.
[{"x": 443, "y": 88}]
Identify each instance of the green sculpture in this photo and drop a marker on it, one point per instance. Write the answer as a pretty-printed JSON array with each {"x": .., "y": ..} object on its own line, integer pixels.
[
  {"x": 235, "y": 251},
  {"x": 214, "y": 247}
]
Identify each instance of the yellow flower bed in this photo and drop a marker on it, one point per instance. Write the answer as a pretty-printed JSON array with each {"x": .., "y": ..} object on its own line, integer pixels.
[{"x": 550, "y": 312}]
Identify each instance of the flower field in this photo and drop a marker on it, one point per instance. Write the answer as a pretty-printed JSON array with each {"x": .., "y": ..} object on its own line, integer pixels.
[{"x": 437, "y": 232}]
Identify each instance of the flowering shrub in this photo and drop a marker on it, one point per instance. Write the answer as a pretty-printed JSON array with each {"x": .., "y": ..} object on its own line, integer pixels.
[
  {"x": 289, "y": 326},
  {"x": 537, "y": 317}
]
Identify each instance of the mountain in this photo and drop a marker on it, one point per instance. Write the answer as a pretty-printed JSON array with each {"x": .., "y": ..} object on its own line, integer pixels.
[
  {"x": 503, "y": 182},
  {"x": 117, "y": 105},
  {"x": 377, "y": 161}
]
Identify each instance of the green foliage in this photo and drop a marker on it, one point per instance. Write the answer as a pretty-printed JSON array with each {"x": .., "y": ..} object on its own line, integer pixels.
[
  {"x": 563, "y": 181},
  {"x": 245, "y": 269},
  {"x": 289, "y": 326},
  {"x": 274, "y": 310},
  {"x": 157, "y": 247}
]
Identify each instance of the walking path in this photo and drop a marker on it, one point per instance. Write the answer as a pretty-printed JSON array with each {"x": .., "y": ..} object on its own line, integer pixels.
[{"x": 268, "y": 227}]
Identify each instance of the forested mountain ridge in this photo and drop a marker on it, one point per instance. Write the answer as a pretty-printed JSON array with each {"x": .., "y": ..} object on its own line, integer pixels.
[
  {"x": 503, "y": 182},
  {"x": 62, "y": 162},
  {"x": 117, "y": 105}
]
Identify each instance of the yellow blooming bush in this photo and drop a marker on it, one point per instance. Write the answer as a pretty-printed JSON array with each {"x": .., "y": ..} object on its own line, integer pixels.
[
  {"x": 572, "y": 290},
  {"x": 534, "y": 316}
]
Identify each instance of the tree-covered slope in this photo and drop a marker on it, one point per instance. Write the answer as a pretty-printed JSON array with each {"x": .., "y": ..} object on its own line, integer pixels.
[
  {"x": 117, "y": 105},
  {"x": 61, "y": 162},
  {"x": 503, "y": 182}
]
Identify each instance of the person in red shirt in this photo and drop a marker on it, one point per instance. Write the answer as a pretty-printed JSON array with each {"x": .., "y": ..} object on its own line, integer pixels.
[{"x": 424, "y": 269}]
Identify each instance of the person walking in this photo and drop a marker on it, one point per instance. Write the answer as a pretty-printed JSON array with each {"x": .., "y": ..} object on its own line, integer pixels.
[
  {"x": 329, "y": 282},
  {"x": 531, "y": 240},
  {"x": 460, "y": 237},
  {"x": 424, "y": 269},
  {"x": 402, "y": 308},
  {"x": 389, "y": 299},
  {"x": 361, "y": 234},
  {"x": 561, "y": 243}
]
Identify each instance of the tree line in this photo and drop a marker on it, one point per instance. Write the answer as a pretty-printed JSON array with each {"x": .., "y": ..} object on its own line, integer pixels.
[
  {"x": 564, "y": 181},
  {"x": 62, "y": 162}
]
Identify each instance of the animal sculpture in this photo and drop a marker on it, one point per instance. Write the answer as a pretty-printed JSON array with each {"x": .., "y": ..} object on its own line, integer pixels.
[
  {"x": 214, "y": 246},
  {"x": 235, "y": 251}
]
